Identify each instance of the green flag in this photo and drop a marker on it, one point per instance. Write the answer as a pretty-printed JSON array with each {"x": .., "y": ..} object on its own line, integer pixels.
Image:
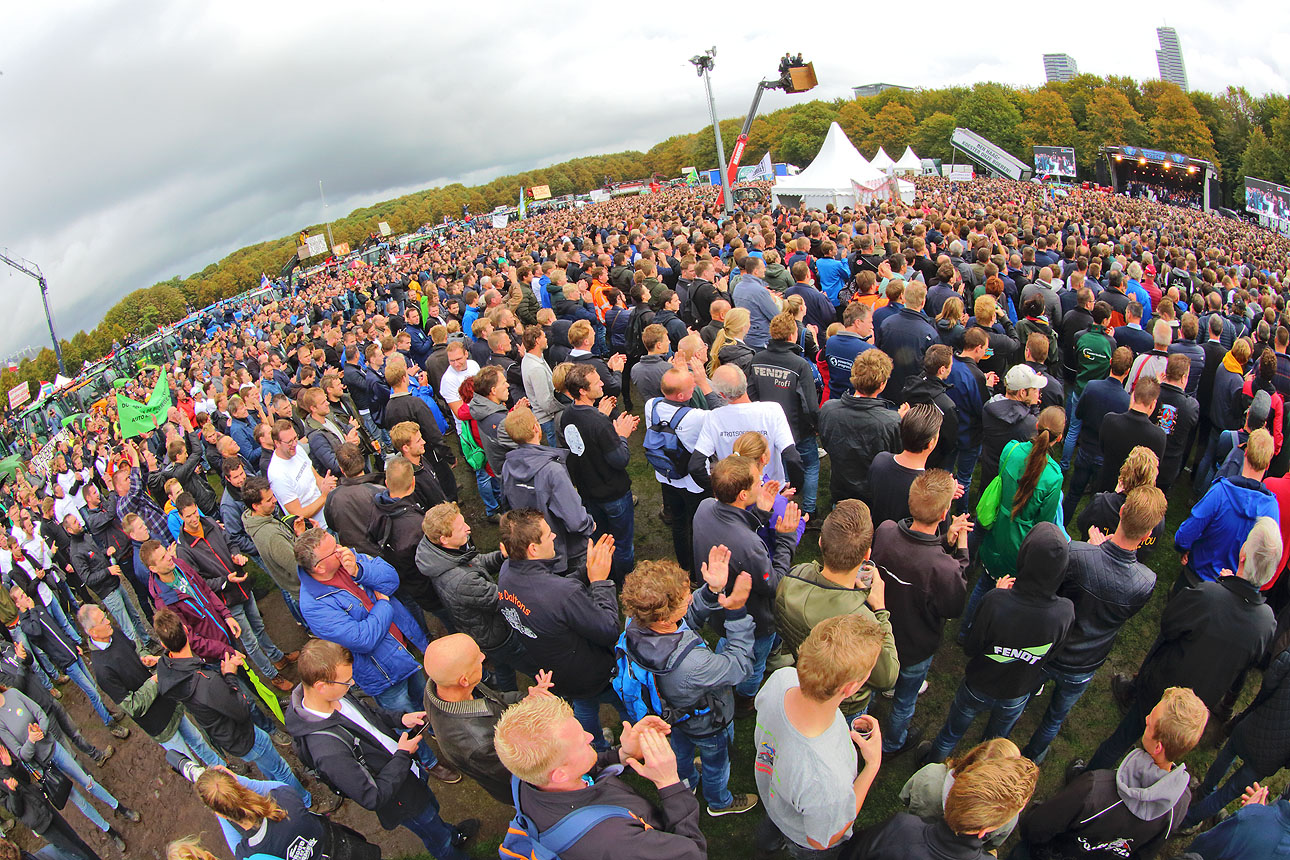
[
  {"x": 425, "y": 308},
  {"x": 136, "y": 417},
  {"x": 691, "y": 176},
  {"x": 266, "y": 696}
]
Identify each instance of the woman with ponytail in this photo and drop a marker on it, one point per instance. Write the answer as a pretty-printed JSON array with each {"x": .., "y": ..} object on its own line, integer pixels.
[
  {"x": 262, "y": 820},
  {"x": 728, "y": 347},
  {"x": 1030, "y": 493}
]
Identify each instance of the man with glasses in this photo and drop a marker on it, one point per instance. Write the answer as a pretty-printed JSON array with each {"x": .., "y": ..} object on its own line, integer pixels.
[
  {"x": 345, "y": 597},
  {"x": 299, "y": 488},
  {"x": 366, "y": 754}
]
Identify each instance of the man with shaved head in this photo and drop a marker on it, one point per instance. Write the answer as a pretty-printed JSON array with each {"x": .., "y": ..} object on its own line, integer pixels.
[{"x": 463, "y": 712}]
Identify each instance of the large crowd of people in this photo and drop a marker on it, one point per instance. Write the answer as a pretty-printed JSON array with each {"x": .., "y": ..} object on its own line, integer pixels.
[{"x": 1005, "y": 391}]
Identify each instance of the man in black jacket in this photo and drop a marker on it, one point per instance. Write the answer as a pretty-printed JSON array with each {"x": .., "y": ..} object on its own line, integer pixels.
[
  {"x": 855, "y": 428},
  {"x": 100, "y": 572},
  {"x": 349, "y": 507},
  {"x": 1210, "y": 635},
  {"x": 926, "y": 586},
  {"x": 463, "y": 711},
  {"x": 466, "y": 581},
  {"x": 127, "y": 679},
  {"x": 542, "y": 744},
  {"x": 741, "y": 505},
  {"x": 1134, "y": 808},
  {"x": 598, "y": 460},
  {"x": 779, "y": 374},
  {"x": 403, "y": 406},
  {"x": 1020, "y": 624},
  {"x": 1108, "y": 586},
  {"x": 396, "y": 530},
  {"x": 905, "y": 336},
  {"x": 1122, "y": 432},
  {"x": 932, "y": 386},
  {"x": 349, "y": 745},
  {"x": 217, "y": 704},
  {"x": 980, "y": 800},
  {"x": 1177, "y": 413}
]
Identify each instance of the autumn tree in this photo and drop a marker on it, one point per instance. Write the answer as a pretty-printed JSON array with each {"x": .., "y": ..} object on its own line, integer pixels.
[
  {"x": 1177, "y": 126},
  {"x": 932, "y": 136},
  {"x": 1112, "y": 121},
  {"x": 893, "y": 129},
  {"x": 990, "y": 112},
  {"x": 856, "y": 122},
  {"x": 1049, "y": 123},
  {"x": 805, "y": 133}
]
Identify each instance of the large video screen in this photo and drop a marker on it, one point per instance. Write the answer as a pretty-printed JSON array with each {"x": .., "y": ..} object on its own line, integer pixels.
[
  {"x": 1267, "y": 198},
  {"x": 1055, "y": 161}
]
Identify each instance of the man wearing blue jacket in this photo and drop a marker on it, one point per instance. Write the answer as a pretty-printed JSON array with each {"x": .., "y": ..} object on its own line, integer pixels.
[
  {"x": 1210, "y": 539},
  {"x": 345, "y": 598}
]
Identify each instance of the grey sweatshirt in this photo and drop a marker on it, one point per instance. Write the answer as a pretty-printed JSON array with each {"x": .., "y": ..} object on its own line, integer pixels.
[{"x": 16, "y": 714}]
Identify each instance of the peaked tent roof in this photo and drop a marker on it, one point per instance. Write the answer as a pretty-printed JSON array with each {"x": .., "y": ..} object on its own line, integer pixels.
[
  {"x": 909, "y": 161},
  {"x": 882, "y": 160},
  {"x": 835, "y": 166}
]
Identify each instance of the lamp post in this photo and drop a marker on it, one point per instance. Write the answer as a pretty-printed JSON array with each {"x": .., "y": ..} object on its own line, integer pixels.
[
  {"x": 703, "y": 66},
  {"x": 330, "y": 242},
  {"x": 33, "y": 270}
]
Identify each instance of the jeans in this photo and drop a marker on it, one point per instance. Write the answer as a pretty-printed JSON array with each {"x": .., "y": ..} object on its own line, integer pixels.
[
  {"x": 256, "y": 642},
  {"x": 762, "y": 646},
  {"x": 505, "y": 659},
  {"x": 67, "y": 763},
  {"x": 903, "y": 700},
  {"x": 1073, "y": 426},
  {"x": 714, "y": 755},
  {"x": 683, "y": 505},
  {"x": 963, "y": 469},
  {"x": 1207, "y": 801},
  {"x": 188, "y": 740},
  {"x": 435, "y": 833},
  {"x": 274, "y": 766},
  {"x": 618, "y": 518},
  {"x": 80, "y": 674},
  {"x": 56, "y": 609},
  {"x": 551, "y": 434},
  {"x": 770, "y": 840},
  {"x": 1004, "y": 714},
  {"x": 1067, "y": 689},
  {"x": 127, "y": 617},
  {"x": 984, "y": 585},
  {"x": 1125, "y": 736},
  {"x": 45, "y": 669},
  {"x": 587, "y": 712},
  {"x": 406, "y": 697},
  {"x": 490, "y": 490},
  {"x": 1086, "y": 467},
  {"x": 809, "y": 450},
  {"x": 293, "y": 606},
  {"x": 141, "y": 595},
  {"x": 64, "y": 842}
]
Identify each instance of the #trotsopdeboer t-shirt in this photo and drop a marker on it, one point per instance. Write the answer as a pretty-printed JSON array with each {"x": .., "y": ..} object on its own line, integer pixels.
[
  {"x": 806, "y": 783},
  {"x": 727, "y": 424},
  {"x": 293, "y": 480}
]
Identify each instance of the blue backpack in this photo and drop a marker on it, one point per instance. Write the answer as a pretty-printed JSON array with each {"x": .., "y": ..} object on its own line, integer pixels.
[
  {"x": 523, "y": 841},
  {"x": 637, "y": 688},
  {"x": 663, "y": 448}
]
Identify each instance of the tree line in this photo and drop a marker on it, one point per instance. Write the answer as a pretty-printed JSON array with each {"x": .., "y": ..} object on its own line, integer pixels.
[{"x": 1242, "y": 134}]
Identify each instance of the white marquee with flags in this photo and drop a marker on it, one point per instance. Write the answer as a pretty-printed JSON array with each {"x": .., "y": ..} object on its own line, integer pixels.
[{"x": 839, "y": 174}]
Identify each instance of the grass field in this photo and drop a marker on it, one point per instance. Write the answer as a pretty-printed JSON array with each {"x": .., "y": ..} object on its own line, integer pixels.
[{"x": 1091, "y": 721}]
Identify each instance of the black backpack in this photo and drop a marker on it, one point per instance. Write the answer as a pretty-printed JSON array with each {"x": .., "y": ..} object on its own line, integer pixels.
[
  {"x": 663, "y": 448},
  {"x": 636, "y": 328}
]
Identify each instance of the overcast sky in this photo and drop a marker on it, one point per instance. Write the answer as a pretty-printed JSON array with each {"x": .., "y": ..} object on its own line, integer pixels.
[{"x": 147, "y": 139}]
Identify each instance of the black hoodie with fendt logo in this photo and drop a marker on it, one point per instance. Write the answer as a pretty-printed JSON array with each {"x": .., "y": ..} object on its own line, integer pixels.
[{"x": 1018, "y": 629}]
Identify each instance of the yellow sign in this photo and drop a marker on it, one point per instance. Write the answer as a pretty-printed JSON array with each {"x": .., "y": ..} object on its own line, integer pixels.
[
  {"x": 340, "y": 249},
  {"x": 541, "y": 192}
]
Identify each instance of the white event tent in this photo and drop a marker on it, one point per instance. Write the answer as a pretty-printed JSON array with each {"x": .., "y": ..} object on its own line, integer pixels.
[
  {"x": 839, "y": 174},
  {"x": 882, "y": 161},
  {"x": 909, "y": 163}
]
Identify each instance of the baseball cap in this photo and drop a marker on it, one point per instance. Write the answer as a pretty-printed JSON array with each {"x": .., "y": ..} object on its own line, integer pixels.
[{"x": 1022, "y": 377}]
